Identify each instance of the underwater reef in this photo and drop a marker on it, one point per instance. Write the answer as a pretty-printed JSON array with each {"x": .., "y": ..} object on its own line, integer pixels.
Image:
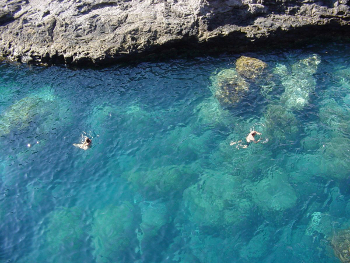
[{"x": 167, "y": 178}]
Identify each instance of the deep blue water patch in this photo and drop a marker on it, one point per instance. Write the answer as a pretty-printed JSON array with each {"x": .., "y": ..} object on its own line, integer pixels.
[{"x": 161, "y": 182}]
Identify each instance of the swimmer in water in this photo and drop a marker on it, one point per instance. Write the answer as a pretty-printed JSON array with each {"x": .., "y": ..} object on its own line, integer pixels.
[
  {"x": 85, "y": 145},
  {"x": 249, "y": 139}
]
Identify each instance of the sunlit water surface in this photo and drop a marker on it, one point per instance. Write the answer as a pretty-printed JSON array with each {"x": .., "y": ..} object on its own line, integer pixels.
[{"x": 161, "y": 182}]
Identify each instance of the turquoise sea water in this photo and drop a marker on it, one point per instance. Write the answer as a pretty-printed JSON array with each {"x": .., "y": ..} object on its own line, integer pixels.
[{"x": 161, "y": 182}]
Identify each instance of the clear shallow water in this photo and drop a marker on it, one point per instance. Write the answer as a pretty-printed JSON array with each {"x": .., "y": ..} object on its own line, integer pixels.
[{"x": 161, "y": 182}]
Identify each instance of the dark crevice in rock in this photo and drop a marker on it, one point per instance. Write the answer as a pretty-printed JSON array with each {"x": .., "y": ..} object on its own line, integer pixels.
[
  {"x": 85, "y": 9},
  {"x": 8, "y": 9},
  {"x": 234, "y": 43},
  {"x": 336, "y": 17},
  {"x": 235, "y": 16},
  {"x": 5, "y": 17}
]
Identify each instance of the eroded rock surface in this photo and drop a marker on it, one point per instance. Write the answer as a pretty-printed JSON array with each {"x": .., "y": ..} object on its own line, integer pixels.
[{"x": 100, "y": 31}]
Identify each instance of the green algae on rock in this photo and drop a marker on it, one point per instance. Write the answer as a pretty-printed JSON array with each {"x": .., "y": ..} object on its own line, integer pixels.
[
  {"x": 341, "y": 245},
  {"x": 250, "y": 68},
  {"x": 229, "y": 87}
]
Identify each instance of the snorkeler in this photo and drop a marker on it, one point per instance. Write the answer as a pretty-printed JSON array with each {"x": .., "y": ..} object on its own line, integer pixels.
[
  {"x": 86, "y": 143},
  {"x": 249, "y": 139}
]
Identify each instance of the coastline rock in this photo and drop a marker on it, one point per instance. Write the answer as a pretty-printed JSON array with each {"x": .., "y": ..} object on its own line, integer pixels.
[{"x": 98, "y": 32}]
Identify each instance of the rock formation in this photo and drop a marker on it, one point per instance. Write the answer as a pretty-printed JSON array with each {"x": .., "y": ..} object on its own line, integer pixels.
[
  {"x": 229, "y": 88},
  {"x": 101, "y": 31},
  {"x": 341, "y": 245}
]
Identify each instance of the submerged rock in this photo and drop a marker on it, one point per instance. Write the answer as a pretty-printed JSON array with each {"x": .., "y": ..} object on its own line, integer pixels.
[
  {"x": 320, "y": 223},
  {"x": 281, "y": 124},
  {"x": 229, "y": 88},
  {"x": 112, "y": 232},
  {"x": 274, "y": 193},
  {"x": 162, "y": 181},
  {"x": 65, "y": 235},
  {"x": 299, "y": 82},
  {"x": 341, "y": 245},
  {"x": 212, "y": 249},
  {"x": 250, "y": 68},
  {"x": 335, "y": 117},
  {"x": 258, "y": 245},
  {"x": 155, "y": 216},
  {"x": 335, "y": 158},
  {"x": 211, "y": 114},
  {"x": 315, "y": 137},
  {"x": 43, "y": 108},
  {"x": 218, "y": 201}
]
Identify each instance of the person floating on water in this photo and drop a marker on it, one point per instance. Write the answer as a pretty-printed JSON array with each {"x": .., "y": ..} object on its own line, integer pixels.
[
  {"x": 86, "y": 143},
  {"x": 249, "y": 139}
]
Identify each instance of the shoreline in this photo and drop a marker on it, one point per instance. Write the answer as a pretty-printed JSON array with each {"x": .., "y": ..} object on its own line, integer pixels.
[{"x": 108, "y": 32}]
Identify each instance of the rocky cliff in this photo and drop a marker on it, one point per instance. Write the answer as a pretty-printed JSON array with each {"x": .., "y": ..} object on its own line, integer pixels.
[{"x": 102, "y": 31}]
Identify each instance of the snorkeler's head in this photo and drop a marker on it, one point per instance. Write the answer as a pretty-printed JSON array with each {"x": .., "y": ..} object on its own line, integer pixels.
[{"x": 87, "y": 140}]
